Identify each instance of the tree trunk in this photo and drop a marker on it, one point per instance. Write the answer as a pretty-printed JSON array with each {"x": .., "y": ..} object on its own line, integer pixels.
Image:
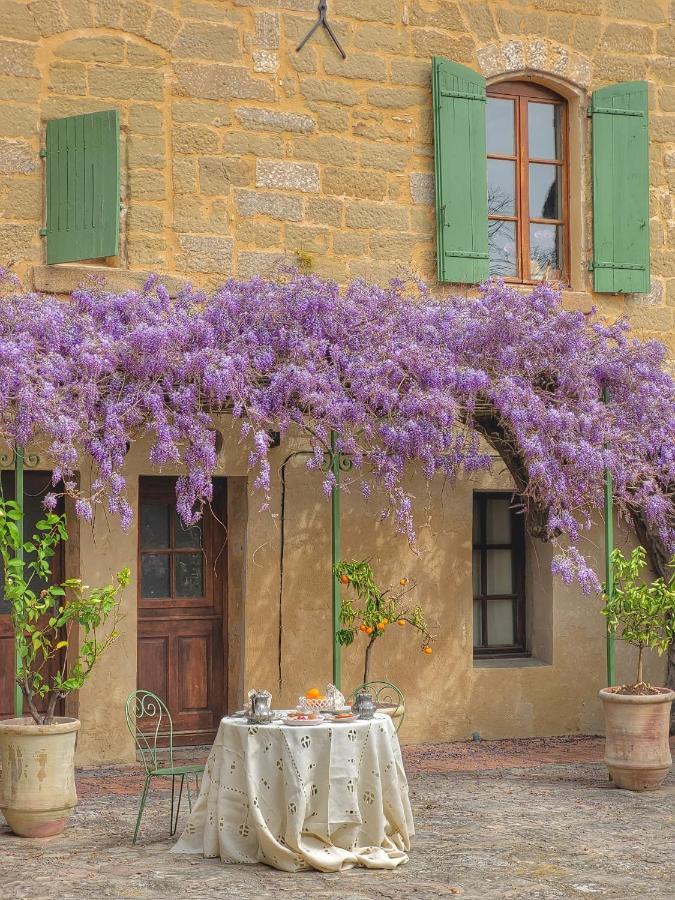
[
  {"x": 366, "y": 668},
  {"x": 639, "y": 671}
]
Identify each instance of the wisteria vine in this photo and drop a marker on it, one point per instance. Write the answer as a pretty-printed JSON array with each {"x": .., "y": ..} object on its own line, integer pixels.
[{"x": 403, "y": 378}]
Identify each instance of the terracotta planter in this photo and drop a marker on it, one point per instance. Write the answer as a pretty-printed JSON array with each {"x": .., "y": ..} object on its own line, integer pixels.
[
  {"x": 637, "y": 752},
  {"x": 37, "y": 788}
]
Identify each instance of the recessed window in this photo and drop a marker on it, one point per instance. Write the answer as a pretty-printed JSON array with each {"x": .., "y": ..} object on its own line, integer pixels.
[
  {"x": 171, "y": 555},
  {"x": 527, "y": 182},
  {"x": 498, "y": 577}
]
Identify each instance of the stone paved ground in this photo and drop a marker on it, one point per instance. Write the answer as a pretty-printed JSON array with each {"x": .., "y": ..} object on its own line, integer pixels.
[{"x": 526, "y": 819}]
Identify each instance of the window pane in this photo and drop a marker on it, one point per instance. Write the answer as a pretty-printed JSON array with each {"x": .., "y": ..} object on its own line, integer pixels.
[
  {"x": 502, "y": 248},
  {"x": 154, "y": 526},
  {"x": 187, "y": 537},
  {"x": 477, "y": 617},
  {"x": 546, "y": 252},
  {"x": 476, "y": 573},
  {"x": 500, "y": 127},
  {"x": 476, "y": 521},
  {"x": 545, "y": 191},
  {"x": 500, "y": 622},
  {"x": 154, "y": 575},
  {"x": 189, "y": 580},
  {"x": 543, "y": 125},
  {"x": 499, "y": 577},
  {"x": 499, "y": 521},
  {"x": 501, "y": 177}
]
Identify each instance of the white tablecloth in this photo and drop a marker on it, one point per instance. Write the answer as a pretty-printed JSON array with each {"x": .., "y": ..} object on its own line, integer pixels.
[{"x": 326, "y": 797}]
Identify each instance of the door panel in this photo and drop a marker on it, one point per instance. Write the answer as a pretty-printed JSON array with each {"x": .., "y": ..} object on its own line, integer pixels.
[
  {"x": 36, "y": 485},
  {"x": 182, "y": 610}
]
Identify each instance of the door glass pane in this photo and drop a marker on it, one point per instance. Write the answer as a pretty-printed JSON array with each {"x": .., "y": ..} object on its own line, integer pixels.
[
  {"x": 499, "y": 521},
  {"x": 501, "y": 178},
  {"x": 154, "y": 526},
  {"x": 476, "y": 573},
  {"x": 545, "y": 191},
  {"x": 499, "y": 577},
  {"x": 500, "y": 127},
  {"x": 154, "y": 575},
  {"x": 187, "y": 537},
  {"x": 502, "y": 248},
  {"x": 189, "y": 579},
  {"x": 477, "y": 615},
  {"x": 543, "y": 125},
  {"x": 500, "y": 622},
  {"x": 546, "y": 250}
]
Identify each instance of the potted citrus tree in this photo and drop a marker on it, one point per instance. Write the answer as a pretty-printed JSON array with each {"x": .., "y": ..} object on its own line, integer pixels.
[
  {"x": 57, "y": 629},
  {"x": 637, "y": 715},
  {"x": 376, "y": 610}
]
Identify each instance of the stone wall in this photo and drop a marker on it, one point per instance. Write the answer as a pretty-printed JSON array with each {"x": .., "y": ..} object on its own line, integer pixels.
[{"x": 240, "y": 153}]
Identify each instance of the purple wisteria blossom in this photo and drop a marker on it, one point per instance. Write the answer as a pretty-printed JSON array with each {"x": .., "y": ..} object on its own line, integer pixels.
[{"x": 401, "y": 377}]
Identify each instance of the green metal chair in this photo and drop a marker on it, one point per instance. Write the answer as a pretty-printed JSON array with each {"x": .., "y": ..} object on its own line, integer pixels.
[
  {"x": 144, "y": 706},
  {"x": 386, "y": 695}
]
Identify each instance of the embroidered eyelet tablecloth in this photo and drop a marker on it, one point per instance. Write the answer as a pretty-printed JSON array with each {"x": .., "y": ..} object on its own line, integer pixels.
[{"x": 327, "y": 797}]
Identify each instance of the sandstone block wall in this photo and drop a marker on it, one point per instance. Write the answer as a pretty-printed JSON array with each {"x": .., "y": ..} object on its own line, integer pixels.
[{"x": 240, "y": 153}]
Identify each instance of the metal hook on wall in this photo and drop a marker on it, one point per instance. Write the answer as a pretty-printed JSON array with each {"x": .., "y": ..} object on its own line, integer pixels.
[{"x": 322, "y": 21}]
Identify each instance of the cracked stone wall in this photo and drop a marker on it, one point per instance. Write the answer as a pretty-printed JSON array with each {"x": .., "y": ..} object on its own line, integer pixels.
[{"x": 240, "y": 152}]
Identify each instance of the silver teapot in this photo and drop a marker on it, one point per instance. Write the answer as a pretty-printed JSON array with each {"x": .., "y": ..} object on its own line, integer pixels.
[
  {"x": 260, "y": 707},
  {"x": 364, "y": 706}
]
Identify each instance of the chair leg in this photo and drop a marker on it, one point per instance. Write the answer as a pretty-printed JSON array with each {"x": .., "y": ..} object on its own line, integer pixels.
[
  {"x": 188, "y": 793},
  {"x": 141, "y": 807},
  {"x": 174, "y": 824}
]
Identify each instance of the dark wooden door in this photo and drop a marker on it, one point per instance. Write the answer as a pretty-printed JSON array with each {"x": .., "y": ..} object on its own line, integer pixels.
[
  {"x": 182, "y": 606},
  {"x": 36, "y": 485}
]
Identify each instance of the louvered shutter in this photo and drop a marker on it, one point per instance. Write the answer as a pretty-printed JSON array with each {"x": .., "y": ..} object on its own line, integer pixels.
[
  {"x": 620, "y": 188},
  {"x": 461, "y": 172},
  {"x": 83, "y": 186}
]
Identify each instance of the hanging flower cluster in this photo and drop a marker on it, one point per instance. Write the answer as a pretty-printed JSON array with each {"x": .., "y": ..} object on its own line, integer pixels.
[{"x": 401, "y": 377}]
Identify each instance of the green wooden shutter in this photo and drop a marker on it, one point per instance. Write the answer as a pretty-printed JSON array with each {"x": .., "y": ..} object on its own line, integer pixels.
[
  {"x": 461, "y": 173},
  {"x": 620, "y": 188},
  {"x": 83, "y": 186}
]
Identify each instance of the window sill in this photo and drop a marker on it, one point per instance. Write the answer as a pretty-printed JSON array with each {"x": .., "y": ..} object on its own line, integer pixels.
[
  {"x": 512, "y": 662},
  {"x": 67, "y": 277}
]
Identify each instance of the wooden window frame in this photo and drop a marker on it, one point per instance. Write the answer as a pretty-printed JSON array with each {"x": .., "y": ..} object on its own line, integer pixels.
[
  {"x": 517, "y": 548},
  {"x": 522, "y": 92}
]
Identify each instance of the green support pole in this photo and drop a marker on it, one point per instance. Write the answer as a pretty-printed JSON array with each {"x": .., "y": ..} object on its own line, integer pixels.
[
  {"x": 18, "y": 496},
  {"x": 335, "y": 557},
  {"x": 609, "y": 573}
]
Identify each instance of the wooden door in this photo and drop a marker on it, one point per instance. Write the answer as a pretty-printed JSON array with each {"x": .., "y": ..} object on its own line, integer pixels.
[
  {"x": 36, "y": 485},
  {"x": 182, "y": 610}
]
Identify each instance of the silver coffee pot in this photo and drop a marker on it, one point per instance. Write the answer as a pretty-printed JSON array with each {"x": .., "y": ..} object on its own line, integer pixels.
[
  {"x": 260, "y": 707},
  {"x": 364, "y": 706}
]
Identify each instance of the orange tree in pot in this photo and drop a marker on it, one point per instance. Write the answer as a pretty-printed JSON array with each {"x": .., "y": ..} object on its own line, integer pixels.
[
  {"x": 376, "y": 611},
  {"x": 37, "y": 788},
  {"x": 637, "y": 716}
]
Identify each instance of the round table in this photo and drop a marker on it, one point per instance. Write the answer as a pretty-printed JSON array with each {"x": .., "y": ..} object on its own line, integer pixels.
[{"x": 327, "y": 796}]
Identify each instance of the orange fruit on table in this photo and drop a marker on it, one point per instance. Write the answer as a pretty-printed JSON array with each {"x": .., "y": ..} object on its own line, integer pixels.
[
  {"x": 427, "y": 650},
  {"x": 401, "y": 622},
  {"x": 313, "y": 694}
]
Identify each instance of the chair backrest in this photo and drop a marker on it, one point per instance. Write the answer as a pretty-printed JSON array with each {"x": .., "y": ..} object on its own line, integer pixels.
[
  {"x": 145, "y": 708},
  {"x": 384, "y": 692}
]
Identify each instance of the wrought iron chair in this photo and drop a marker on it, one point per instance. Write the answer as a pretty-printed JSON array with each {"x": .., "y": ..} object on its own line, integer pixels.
[
  {"x": 144, "y": 706},
  {"x": 386, "y": 695}
]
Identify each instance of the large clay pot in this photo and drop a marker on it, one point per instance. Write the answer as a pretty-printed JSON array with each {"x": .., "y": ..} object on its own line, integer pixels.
[
  {"x": 37, "y": 788},
  {"x": 637, "y": 752}
]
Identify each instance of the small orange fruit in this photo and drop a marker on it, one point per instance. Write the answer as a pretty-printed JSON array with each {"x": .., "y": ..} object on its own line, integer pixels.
[
  {"x": 403, "y": 582},
  {"x": 369, "y": 629},
  {"x": 313, "y": 694},
  {"x": 427, "y": 650},
  {"x": 362, "y": 626},
  {"x": 344, "y": 579},
  {"x": 401, "y": 622},
  {"x": 381, "y": 626}
]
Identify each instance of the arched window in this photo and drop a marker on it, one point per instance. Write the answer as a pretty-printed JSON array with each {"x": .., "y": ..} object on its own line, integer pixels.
[{"x": 527, "y": 173}]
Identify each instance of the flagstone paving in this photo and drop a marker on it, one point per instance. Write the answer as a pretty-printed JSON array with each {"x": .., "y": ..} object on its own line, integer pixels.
[{"x": 503, "y": 819}]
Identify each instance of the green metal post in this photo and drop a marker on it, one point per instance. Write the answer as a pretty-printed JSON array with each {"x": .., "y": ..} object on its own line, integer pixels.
[
  {"x": 18, "y": 496},
  {"x": 335, "y": 557},
  {"x": 609, "y": 572}
]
